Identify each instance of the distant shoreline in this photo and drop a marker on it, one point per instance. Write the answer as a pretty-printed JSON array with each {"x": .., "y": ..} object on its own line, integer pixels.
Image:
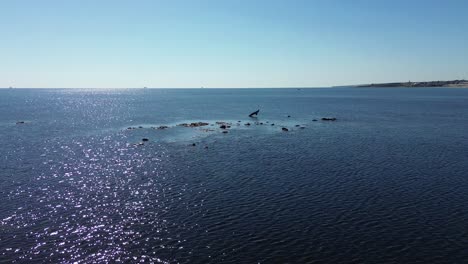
[{"x": 434, "y": 84}]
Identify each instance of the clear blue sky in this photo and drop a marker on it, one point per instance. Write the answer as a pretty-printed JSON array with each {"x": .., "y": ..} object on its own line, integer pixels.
[{"x": 230, "y": 43}]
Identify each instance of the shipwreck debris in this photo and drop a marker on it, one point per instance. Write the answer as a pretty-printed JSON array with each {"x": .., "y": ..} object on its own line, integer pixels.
[{"x": 254, "y": 113}]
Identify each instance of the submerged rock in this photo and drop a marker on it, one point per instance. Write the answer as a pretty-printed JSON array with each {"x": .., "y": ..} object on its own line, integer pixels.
[
  {"x": 328, "y": 118},
  {"x": 195, "y": 124}
]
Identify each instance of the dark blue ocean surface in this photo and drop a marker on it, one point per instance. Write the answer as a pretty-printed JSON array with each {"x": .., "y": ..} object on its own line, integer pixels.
[{"x": 385, "y": 183}]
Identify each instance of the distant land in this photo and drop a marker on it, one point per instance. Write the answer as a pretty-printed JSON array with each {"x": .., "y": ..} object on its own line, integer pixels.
[{"x": 454, "y": 83}]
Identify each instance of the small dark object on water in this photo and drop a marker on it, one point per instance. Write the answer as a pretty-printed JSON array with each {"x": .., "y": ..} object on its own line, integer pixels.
[
  {"x": 223, "y": 127},
  {"x": 284, "y": 129},
  {"x": 298, "y": 125},
  {"x": 328, "y": 118},
  {"x": 163, "y": 127},
  {"x": 144, "y": 139},
  {"x": 193, "y": 144},
  {"x": 302, "y": 127},
  {"x": 225, "y": 131},
  {"x": 261, "y": 123},
  {"x": 130, "y": 128},
  {"x": 197, "y": 124},
  {"x": 254, "y": 113},
  {"x": 20, "y": 122},
  {"x": 289, "y": 116},
  {"x": 315, "y": 120},
  {"x": 140, "y": 127},
  {"x": 239, "y": 121},
  {"x": 272, "y": 124},
  {"x": 247, "y": 124}
]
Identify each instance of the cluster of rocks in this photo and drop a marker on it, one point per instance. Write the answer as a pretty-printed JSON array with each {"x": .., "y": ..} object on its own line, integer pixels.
[
  {"x": 224, "y": 126},
  {"x": 196, "y": 124},
  {"x": 132, "y": 128}
]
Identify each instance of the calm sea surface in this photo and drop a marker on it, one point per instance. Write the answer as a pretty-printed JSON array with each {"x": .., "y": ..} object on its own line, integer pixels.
[{"x": 385, "y": 183}]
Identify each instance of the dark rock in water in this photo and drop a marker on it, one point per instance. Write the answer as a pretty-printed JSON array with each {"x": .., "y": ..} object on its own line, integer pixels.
[
  {"x": 225, "y": 131},
  {"x": 140, "y": 127},
  {"x": 261, "y": 123},
  {"x": 302, "y": 127},
  {"x": 223, "y": 127},
  {"x": 329, "y": 119},
  {"x": 272, "y": 124},
  {"x": 289, "y": 116},
  {"x": 198, "y": 124},
  {"x": 315, "y": 120},
  {"x": 195, "y": 124},
  {"x": 144, "y": 139},
  {"x": 193, "y": 144},
  {"x": 298, "y": 125},
  {"x": 162, "y": 127},
  {"x": 223, "y": 123},
  {"x": 247, "y": 124},
  {"x": 284, "y": 129},
  {"x": 20, "y": 122},
  {"x": 239, "y": 121},
  {"x": 131, "y": 128}
]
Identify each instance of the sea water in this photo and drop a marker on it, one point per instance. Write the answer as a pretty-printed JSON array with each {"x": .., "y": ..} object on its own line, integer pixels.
[{"x": 387, "y": 182}]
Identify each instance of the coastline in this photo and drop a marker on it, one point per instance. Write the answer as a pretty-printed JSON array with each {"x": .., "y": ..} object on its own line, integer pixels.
[{"x": 430, "y": 84}]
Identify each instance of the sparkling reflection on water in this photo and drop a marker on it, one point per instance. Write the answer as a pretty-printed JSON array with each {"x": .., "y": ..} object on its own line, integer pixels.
[{"x": 375, "y": 187}]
